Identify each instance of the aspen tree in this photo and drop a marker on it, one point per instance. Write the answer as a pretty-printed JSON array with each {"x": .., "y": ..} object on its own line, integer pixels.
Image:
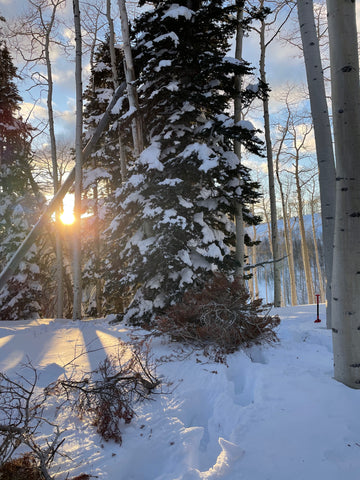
[
  {"x": 130, "y": 80},
  {"x": 345, "y": 91}
]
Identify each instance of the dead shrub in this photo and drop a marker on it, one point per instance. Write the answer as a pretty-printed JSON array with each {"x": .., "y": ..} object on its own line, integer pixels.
[
  {"x": 107, "y": 395},
  {"x": 22, "y": 415},
  {"x": 220, "y": 318},
  {"x": 21, "y": 468}
]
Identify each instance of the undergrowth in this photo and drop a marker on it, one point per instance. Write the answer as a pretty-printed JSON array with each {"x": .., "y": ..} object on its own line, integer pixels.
[{"x": 220, "y": 318}]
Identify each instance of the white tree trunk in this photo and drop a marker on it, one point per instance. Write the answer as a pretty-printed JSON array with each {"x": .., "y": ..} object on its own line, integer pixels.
[
  {"x": 123, "y": 162},
  {"x": 323, "y": 138},
  {"x": 344, "y": 62},
  {"x": 130, "y": 79},
  {"x": 78, "y": 165},
  {"x": 273, "y": 213},
  {"x": 316, "y": 251}
]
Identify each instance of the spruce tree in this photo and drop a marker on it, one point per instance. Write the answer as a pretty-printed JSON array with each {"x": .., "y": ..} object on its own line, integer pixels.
[
  {"x": 173, "y": 226},
  {"x": 103, "y": 172},
  {"x": 18, "y": 299}
]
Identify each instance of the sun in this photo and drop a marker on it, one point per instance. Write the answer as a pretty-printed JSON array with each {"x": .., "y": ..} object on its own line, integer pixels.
[{"x": 67, "y": 217}]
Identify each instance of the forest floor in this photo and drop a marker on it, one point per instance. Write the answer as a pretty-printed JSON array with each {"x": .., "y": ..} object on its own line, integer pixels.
[{"x": 270, "y": 413}]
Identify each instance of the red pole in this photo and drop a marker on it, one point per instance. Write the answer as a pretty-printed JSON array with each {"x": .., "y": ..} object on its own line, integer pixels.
[{"x": 317, "y": 308}]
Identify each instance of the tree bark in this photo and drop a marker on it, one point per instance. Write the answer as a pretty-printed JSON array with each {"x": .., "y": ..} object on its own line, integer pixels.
[
  {"x": 130, "y": 79},
  {"x": 254, "y": 260},
  {"x": 239, "y": 220},
  {"x": 78, "y": 165},
  {"x": 273, "y": 213},
  {"x": 323, "y": 137},
  {"x": 58, "y": 239},
  {"x": 316, "y": 251},
  {"x": 123, "y": 162},
  {"x": 344, "y": 62}
]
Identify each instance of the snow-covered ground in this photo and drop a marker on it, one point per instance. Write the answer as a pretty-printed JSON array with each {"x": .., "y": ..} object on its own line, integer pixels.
[{"x": 272, "y": 413}]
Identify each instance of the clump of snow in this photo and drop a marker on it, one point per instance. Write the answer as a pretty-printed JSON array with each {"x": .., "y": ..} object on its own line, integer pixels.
[
  {"x": 163, "y": 64},
  {"x": 170, "y": 181},
  {"x": 204, "y": 153},
  {"x": 91, "y": 176},
  {"x": 176, "y": 11},
  {"x": 172, "y": 86},
  {"x": 170, "y": 35},
  {"x": 233, "y": 61},
  {"x": 142, "y": 243},
  {"x": 246, "y": 124},
  {"x": 150, "y": 157},
  {"x": 231, "y": 160},
  {"x": 118, "y": 106}
]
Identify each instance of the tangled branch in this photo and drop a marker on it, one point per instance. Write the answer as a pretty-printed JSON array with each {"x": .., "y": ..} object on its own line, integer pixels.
[{"x": 107, "y": 394}]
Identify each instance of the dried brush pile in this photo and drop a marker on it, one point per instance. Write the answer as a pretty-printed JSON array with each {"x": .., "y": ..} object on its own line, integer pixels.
[{"x": 221, "y": 317}]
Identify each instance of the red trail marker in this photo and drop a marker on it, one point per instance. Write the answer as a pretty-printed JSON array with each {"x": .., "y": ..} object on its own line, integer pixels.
[{"x": 317, "y": 308}]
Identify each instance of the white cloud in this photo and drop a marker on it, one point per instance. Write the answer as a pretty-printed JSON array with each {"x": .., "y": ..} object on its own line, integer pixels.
[
  {"x": 33, "y": 111},
  {"x": 303, "y": 130},
  {"x": 64, "y": 78}
]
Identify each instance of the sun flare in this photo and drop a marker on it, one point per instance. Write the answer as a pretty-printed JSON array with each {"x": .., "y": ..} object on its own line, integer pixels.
[{"x": 67, "y": 217}]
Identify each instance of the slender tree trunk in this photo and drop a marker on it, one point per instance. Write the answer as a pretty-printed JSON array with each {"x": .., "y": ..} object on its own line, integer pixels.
[
  {"x": 123, "y": 161},
  {"x": 250, "y": 281},
  {"x": 267, "y": 221},
  {"x": 273, "y": 213},
  {"x": 130, "y": 79},
  {"x": 304, "y": 247},
  {"x": 288, "y": 246},
  {"x": 344, "y": 62},
  {"x": 284, "y": 284},
  {"x": 323, "y": 138},
  {"x": 254, "y": 259},
  {"x": 96, "y": 224},
  {"x": 78, "y": 165},
  {"x": 316, "y": 251},
  {"x": 239, "y": 220},
  {"x": 294, "y": 297},
  {"x": 266, "y": 285},
  {"x": 58, "y": 239},
  {"x": 97, "y": 254}
]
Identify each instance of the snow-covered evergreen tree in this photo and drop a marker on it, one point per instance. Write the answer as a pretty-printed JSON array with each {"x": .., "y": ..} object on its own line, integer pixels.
[
  {"x": 174, "y": 221},
  {"x": 103, "y": 172},
  {"x": 18, "y": 299}
]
